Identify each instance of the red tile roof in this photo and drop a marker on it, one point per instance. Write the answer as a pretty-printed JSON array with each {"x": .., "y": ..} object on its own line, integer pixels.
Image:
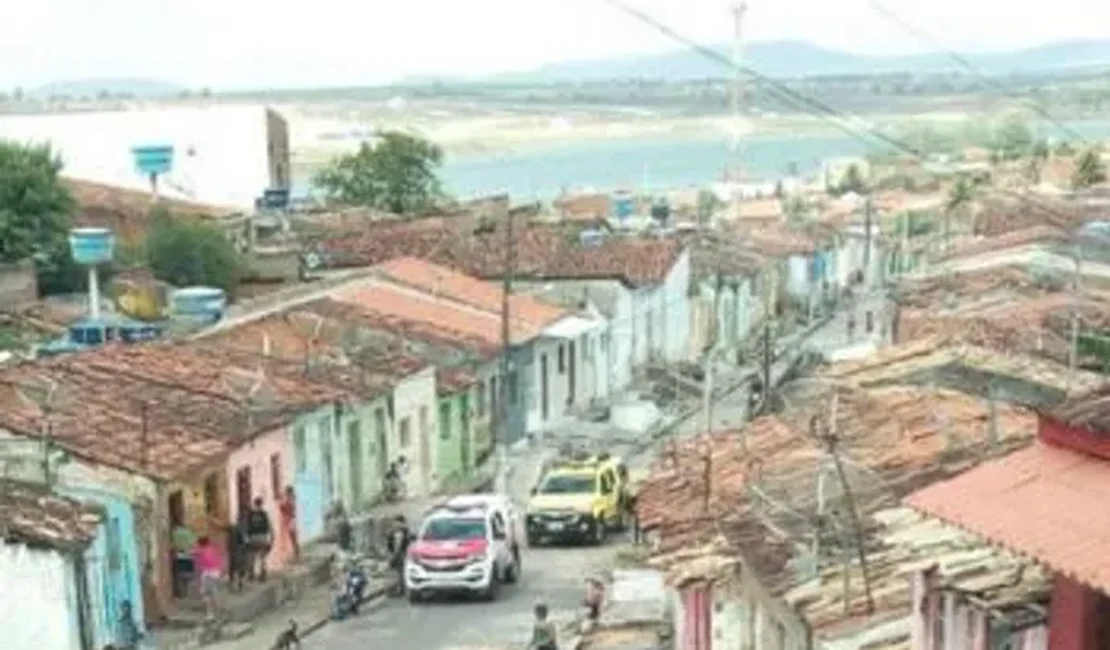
[
  {"x": 441, "y": 281},
  {"x": 1044, "y": 502},
  {"x": 32, "y": 514},
  {"x": 452, "y": 319},
  {"x": 539, "y": 253}
]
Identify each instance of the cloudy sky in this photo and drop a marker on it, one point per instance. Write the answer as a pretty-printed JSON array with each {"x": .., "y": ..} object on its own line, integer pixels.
[{"x": 264, "y": 43}]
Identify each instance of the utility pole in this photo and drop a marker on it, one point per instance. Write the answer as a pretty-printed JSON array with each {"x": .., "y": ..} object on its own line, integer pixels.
[
  {"x": 867, "y": 219},
  {"x": 1076, "y": 298},
  {"x": 500, "y": 433}
]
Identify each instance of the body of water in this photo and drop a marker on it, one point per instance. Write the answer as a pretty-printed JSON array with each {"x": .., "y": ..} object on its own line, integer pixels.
[{"x": 658, "y": 162}]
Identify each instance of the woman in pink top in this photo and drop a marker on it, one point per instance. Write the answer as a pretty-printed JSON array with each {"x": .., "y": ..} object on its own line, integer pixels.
[{"x": 209, "y": 562}]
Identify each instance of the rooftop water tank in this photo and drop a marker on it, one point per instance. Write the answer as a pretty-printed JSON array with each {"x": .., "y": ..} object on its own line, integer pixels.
[
  {"x": 92, "y": 246},
  {"x": 198, "y": 304},
  {"x": 624, "y": 206}
]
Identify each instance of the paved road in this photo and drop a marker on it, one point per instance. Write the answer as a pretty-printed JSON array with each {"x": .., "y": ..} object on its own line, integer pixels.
[{"x": 551, "y": 575}]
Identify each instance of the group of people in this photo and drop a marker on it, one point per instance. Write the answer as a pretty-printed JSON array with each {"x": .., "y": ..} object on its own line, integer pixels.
[
  {"x": 544, "y": 635},
  {"x": 201, "y": 564}
]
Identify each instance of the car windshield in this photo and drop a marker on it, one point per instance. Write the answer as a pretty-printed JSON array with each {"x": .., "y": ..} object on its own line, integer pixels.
[
  {"x": 442, "y": 530},
  {"x": 567, "y": 484}
]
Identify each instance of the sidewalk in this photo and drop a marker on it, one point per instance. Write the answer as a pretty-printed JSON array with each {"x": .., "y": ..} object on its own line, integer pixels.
[{"x": 311, "y": 609}]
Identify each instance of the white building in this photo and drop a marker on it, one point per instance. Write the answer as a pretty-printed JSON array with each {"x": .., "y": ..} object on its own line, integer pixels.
[{"x": 223, "y": 155}]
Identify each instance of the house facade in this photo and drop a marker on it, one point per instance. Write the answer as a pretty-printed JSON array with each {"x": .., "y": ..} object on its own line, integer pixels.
[{"x": 48, "y": 598}]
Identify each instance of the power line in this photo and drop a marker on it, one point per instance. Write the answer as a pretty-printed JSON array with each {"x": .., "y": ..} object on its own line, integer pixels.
[
  {"x": 808, "y": 104},
  {"x": 967, "y": 65}
]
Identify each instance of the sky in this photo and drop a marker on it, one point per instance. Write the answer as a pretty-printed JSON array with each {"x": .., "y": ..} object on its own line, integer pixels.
[{"x": 225, "y": 44}]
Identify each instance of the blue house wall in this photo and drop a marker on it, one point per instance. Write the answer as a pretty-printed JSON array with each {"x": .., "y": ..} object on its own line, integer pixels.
[{"x": 112, "y": 562}]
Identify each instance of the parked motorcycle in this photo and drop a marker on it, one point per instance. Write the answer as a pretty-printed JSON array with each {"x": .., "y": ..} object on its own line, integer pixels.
[{"x": 351, "y": 593}]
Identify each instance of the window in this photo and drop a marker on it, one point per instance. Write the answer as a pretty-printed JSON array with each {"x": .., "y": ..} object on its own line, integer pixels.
[
  {"x": 497, "y": 526},
  {"x": 513, "y": 388},
  {"x": 445, "y": 420},
  {"x": 275, "y": 475},
  {"x": 404, "y": 432},
  {"x": 480, "y": 400},
  {"x": 211, "y": 494},
  {"x": 379, "y": 430},
  {"x": 562, "y": 359},
  {"x": 113, "y": 540},
  {"x": 493, "y": 396}
]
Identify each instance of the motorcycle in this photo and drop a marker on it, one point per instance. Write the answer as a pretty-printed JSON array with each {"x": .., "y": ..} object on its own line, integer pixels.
[{"x": 350, "y": 597}]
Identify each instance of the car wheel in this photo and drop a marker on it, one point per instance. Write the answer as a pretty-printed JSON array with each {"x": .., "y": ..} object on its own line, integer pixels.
[
  {"x": 534, "y": 541},
  {"x": 415, "y": 597},
  {"x": 490, "y": 592},
  {"x": 599, "y": 531},
  {"x": 512, "y": 573}
]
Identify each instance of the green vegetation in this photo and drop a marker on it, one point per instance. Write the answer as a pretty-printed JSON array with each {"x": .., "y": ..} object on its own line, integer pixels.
[
  {"x": 186, "y": 252},
  {"x": 1089, "y": 170},
  {"x": 399, "y": 173},
  {"x": 36, "y": 216}
]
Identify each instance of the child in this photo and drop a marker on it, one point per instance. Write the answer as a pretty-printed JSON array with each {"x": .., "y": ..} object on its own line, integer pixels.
[
  {"x": 210, "y": 564},
  {"x": 543, "y": 631},
  {"x": 595, "y": 597}
]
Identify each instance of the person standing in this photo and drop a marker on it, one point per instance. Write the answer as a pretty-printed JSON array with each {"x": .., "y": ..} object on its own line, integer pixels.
[
  {"x": 260, "y": 539},
  {"x": 210, "y": 565},
  {"x": 183, "y": 541},
  {"x": 287, "y": 510},
  {"x": 400, "y": 537}
]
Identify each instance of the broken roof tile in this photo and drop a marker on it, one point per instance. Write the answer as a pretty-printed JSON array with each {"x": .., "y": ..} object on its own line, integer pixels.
[{"x": 32, "y": 514}]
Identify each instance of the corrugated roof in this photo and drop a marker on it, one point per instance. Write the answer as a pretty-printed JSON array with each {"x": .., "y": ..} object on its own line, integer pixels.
[{"x": 1043, "y": 502}]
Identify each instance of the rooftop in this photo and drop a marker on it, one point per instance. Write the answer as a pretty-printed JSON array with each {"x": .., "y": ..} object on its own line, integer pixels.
[
  {"x": 127, "y": 212},
  {"x": 1012, "y": 589},
  {"x": 479, "y": 250},
  {"x": 773, "y": 489},
  {"x": 31, "y": 514},
  {"x": 1043, "y": 502}
]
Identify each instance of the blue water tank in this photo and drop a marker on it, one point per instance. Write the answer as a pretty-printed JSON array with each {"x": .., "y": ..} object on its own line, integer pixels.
[
  {"x": 153, "y": 159},
  {"x": 624, "y": 206},
  {"x": 91, "y": 246},
  {"x": 198, "y": 304}
]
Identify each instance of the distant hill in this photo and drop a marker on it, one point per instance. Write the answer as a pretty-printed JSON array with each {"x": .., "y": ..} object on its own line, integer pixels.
[
  {"x": 792, "y": 59},
  {"x": 136, "y": 87}
]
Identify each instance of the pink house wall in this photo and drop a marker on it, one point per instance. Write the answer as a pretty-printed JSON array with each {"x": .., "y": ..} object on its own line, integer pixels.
[{"x": 258, "y": 455}]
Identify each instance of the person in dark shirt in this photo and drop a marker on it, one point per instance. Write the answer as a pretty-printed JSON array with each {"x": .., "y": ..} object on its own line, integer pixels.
[
  {"x": 260, "y": 538},
  {"x": 128, "y": 634},
  {"x": 397, "y": 543}
]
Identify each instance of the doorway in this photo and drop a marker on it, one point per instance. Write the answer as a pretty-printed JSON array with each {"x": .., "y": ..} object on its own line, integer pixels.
[
  {"x": 571, "y": 374},
  {"x": 543, "y": 388},
  {"x": 243, "y": 490}
]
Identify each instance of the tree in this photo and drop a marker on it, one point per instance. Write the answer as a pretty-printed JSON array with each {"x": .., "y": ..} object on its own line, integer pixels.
[
  {"x": 36, "y": 215},
  {"x": 959, "y": 197},
  {"x": 708, "y": 205},
  {"x": 1013, "y": 139},
  {"x": 1089, "y": 170},
  {"x": 398, "y": 173},
  {"x": 852, "y": 181},
  {"x": 190, "y": 252}
]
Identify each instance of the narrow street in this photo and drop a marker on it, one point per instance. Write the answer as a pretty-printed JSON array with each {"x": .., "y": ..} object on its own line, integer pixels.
[{"x": 551, "y": 575}]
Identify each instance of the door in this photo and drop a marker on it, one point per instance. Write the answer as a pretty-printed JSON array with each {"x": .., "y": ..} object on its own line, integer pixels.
[
  {"x": 464, "y": 435},
  {"x": 381, "y": 442},
  {"x": 425, "y": 447},
  {"x": 354, "y": 451},
  {"x": 543, "y": 388},
  {"x": 243, "y": 490},
  {"x": 572, "y": 365}
]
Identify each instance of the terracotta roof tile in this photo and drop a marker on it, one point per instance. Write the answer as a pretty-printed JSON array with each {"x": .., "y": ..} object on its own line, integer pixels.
[
  {"x": 539, "y": 253},
  {"x": 450, "y": 381},
  {"x": 32, "y": 514},
  {"x": 1044, "y": 502},
  {"x": 117, "y": 420},
  {"x": 443, "y": 282}
]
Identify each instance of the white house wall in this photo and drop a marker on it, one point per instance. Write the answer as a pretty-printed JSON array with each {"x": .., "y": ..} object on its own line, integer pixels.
[
  {"x": 221, "y": 154},
  {"x": 661, "y": 317},
  {"x": 38, "y": 600},
  {"x": 415, "y": 399}
]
